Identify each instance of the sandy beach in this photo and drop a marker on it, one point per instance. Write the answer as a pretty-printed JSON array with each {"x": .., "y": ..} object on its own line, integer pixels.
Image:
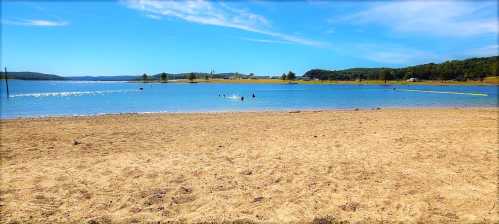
[{"x": 371, "y": 166}]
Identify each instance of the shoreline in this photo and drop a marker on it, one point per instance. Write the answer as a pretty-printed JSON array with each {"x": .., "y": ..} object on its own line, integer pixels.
[
  {"x": 161, "y": 113},
  {"x": 494, "y": 82}
]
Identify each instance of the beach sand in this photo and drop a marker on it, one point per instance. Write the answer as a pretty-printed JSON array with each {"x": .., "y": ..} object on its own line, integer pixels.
[{"x": 392, "y": 165}]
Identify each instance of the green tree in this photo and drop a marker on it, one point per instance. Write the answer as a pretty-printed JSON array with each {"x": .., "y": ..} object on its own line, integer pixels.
[
  {"x": 144, "y": 77},
  {"x": 482, "y": 73},
  {"x": 392, "y": 75},
  {"x": 283, "y": 76},
  {"x": 191, "y": 76},
  {"x": 332, "y": 77},
  {"x": 323, "y": 77},
  {"x": 163, "y": 77},
  {"x": 291, "y": 76},
  {"x": 493, "y": 69},
  {"x": 385, "y": 75},
  {"x": 408, "y": 75},
  {"x": 444, "y": 71}
]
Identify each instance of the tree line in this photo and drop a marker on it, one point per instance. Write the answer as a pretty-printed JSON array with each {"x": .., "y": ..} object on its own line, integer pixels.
[
  {"x": 164, "y": 77},
  {"x": 290, "y": 76},
  {"x": 460, "y": 70},
  {"x": 192, "y": 75}
]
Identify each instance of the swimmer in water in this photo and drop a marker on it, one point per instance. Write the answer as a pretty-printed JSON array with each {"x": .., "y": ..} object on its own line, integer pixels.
[
  {"x": 242, "y": 98},
  {"x": 253, "y": 95}
]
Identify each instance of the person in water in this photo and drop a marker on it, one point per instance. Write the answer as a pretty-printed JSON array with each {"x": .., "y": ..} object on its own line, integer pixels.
[
  {"x": 253, "y": 95},
  {"x": 242, "y": 98}
]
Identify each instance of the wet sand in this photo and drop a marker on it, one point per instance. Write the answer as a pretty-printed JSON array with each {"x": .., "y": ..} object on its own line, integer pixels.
[{"x": 388, "y": 165}]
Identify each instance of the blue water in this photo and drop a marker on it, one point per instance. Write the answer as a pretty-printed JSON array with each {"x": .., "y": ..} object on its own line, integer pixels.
[{"x": 55, "y": 98}]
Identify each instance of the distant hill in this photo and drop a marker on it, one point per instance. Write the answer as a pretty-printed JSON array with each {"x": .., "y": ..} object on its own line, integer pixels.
[
  {"x": 31, "y": 76},
  {"x": 43, "y": 76},
  {"x": 461, "y": 70}
]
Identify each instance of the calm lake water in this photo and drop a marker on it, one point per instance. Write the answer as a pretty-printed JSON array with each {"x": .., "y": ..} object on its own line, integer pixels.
[{"x": 55, "y": 98}]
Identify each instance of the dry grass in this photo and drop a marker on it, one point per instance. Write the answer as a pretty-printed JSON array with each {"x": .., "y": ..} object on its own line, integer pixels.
[
  {"x": 492, "y": 80},
  {"x": 396, "y": 165}
]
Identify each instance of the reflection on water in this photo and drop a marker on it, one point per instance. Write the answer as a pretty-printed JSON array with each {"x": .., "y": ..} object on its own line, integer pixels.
[{"x": 74, "y": 93}]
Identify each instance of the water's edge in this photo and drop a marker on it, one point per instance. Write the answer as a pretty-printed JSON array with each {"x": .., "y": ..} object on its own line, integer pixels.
[{"x": 263, "y": 111}]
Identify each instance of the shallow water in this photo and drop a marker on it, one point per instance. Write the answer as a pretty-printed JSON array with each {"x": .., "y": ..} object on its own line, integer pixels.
[{"x": 55, "y": 98}]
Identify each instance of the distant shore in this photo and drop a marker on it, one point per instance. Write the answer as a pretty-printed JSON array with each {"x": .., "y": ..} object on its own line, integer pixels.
[
  {"x": 486, "y": 82},
  {"x": 434, "y": 165}
]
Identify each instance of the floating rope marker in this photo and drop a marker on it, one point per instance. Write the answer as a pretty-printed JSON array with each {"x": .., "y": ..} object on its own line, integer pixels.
[{"x": 444, "y": 92}]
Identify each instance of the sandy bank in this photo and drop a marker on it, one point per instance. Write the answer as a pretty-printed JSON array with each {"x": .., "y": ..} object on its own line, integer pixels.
[{"x": 394, "y": 165}]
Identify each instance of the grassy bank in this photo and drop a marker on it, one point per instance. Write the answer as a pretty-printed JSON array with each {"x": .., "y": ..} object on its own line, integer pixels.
[{"x": 488, "y": 81}]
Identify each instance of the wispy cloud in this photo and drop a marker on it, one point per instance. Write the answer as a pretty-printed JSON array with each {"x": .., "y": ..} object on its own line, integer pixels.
[
  {"x": 216, "y": 14},
  {"x": 152, "y": 16},
  {"x": 35, "y": 22},
  {"x": 267, "y": 41},
  {"x": 443, "y": 18}
]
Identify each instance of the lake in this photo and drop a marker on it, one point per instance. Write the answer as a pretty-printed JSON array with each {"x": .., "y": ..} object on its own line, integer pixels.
[{"x": 56, "y": 98}]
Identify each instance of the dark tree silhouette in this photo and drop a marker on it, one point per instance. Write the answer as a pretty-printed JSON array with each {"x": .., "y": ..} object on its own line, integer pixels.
[
  {"x": 192, "y": 76},
  {"x": 291, "y": 76},
  {"x": 283, "y": 76},
  {"x": 163, "y": 77}
]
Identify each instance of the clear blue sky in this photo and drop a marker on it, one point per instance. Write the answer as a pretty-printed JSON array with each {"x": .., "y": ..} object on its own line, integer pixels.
[{"x": 266, "y": 38}]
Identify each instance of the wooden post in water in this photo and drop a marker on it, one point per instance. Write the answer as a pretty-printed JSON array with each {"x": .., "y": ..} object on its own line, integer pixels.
[{"x": 6, "y": 81}]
